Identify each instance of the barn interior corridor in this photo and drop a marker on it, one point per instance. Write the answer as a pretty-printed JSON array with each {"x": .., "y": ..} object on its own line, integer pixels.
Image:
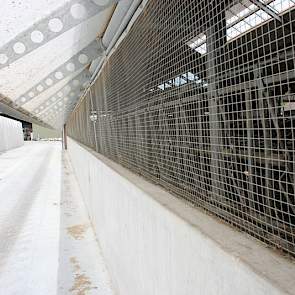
[
  {"x": 45, "y": 233},
  {"x": 147, "y": 147}
]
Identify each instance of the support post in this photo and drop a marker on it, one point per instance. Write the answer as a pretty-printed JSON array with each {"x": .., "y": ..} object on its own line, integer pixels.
[
  {"x": 64, "y": 139},
  {"x": 216, "y": 38}
]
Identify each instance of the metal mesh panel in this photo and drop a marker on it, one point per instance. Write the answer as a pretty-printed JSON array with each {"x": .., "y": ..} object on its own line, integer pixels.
[{"x": 200, "y": 98}]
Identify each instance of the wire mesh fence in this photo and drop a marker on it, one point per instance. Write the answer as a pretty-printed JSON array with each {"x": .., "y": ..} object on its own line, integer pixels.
[{"x": 199, "y": 97}]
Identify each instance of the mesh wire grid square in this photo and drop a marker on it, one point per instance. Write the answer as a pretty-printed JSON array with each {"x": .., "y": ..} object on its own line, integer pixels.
[{"x": 200, "y": 98}]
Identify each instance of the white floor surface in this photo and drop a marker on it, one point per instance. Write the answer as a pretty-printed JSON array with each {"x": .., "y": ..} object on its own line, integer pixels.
[{"x": 47, "y": 245}]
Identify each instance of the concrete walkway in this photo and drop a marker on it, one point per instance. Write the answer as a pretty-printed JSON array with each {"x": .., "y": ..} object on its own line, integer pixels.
[{"x": 47, "y": 245}]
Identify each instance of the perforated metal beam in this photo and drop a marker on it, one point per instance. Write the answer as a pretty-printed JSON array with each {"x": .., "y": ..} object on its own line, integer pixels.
[
  {"x": 77, "y": 62},
  {"x": 57, "y": 105},
  {"x": 60, "y": 110},
  {"x": 60, "y": 21},
  {"x": 65, "y": 93},
  {"x": 54, "y": 118}
]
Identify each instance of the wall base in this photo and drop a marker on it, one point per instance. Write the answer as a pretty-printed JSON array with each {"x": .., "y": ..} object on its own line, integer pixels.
[{"x": 156, "y": 244}]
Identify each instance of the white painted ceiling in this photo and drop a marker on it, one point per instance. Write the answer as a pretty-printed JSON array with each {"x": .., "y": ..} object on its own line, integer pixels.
[{"x": 19, "y": 76}]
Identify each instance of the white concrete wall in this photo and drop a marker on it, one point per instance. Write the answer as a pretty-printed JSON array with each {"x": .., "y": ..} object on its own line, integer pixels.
[
  {"x": 155, "y": 244},
  {"x": 11, "y": 134}
]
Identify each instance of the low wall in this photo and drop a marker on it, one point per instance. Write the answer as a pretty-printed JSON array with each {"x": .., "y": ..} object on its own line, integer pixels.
[
  {"x": 155, "y": 244},
  {"x": 11, "y": 134}
]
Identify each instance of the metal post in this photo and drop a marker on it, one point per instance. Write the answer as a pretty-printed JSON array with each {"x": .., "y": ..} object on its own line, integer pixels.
[
  {"x": 94, "y": 121},
  {"x": 64, "y": 142},
  {"x": 216, "y": 36}
]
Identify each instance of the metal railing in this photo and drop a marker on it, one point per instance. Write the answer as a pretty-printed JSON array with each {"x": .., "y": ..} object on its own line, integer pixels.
[{"x": 199, "y": 97}]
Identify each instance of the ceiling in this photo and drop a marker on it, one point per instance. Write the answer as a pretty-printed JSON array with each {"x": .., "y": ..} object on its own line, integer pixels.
[{"x": 46, "y": 48}]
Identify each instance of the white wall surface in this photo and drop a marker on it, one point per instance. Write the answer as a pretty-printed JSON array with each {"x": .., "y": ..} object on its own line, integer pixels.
[
  {"x": 155, "y": 244},
  {"x": 11, "y": 134}
]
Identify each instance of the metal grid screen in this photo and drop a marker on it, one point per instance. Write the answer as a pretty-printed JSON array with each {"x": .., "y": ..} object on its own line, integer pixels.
[{"x": 199, "y": 97}]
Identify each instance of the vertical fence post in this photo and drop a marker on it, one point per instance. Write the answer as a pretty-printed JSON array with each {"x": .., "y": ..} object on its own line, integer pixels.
[{"x": 64, "y": 137}]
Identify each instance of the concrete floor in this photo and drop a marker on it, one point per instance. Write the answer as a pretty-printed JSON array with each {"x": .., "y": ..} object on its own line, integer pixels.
[{"x": 47, "y": 244}]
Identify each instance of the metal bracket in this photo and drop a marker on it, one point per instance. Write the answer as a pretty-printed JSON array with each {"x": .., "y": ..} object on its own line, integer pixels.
[
  {"x": 267, "y": 9},
  {"x": 75, "y": 63},
  {"x": 60, "y": 21}
]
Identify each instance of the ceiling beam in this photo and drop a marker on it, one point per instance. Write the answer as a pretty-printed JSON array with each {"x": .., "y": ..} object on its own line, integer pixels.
[
  {"x": 63, "y": 19},
  {"x": 75, "y": 63},
  {"x": 75, "y": 83},
  {"x": 58, "y": 106},
  {"x": 18, "y": 114}
]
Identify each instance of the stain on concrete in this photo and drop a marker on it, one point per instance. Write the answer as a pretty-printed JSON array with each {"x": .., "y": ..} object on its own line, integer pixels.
[
  {"x": 82, "y": 283},
  {"x": 78, "y": 231},
  {"x": 75, "y": 263}
]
